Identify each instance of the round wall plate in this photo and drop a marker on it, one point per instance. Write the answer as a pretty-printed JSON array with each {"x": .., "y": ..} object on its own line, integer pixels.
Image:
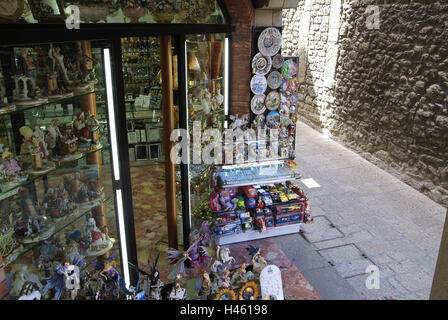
[
  {"x": 257, "y": 104},
  {"x": 258, "y": 84},
  {"x": 261, "y": 64},
  {"x": 277, "y": 61},
  {"x": 272, "y": 100},
  {"x": 269, "y": 41},
  {"x": 274, "y": 80}
]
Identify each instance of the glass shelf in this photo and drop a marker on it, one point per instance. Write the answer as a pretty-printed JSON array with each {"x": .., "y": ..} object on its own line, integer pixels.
[
  {"x": 49, "y": 102},
  {"x": 7, "y": 192},
  {"x": 25, "y": 248},
  {"x": 201, "y": 83},
  {"x": 255, "y": 173}
]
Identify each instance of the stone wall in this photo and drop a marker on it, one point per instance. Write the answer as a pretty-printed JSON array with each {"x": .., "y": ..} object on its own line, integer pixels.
[{"x": 381, "y": 90}]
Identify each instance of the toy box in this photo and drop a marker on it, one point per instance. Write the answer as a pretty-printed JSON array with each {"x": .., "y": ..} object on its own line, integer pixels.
[{"x": 289, "y": 213}]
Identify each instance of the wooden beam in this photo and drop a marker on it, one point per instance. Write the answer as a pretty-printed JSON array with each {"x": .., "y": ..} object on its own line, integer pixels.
[{"x": 168, "y": 127}]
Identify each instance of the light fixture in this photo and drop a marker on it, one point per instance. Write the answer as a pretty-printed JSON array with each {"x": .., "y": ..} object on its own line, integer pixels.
[
  {"x": 111, "y": 113},
  {"x": 115, "y": 163},
  {"x": 124, "y": 252},
  {"x": 226, "y": 79}
]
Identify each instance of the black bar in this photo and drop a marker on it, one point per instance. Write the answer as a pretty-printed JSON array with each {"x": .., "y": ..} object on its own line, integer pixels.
[
  {"x": 32, "y": 33},
  {"x": 183, "y": 116},
  {"x": 125, "y": 181}
]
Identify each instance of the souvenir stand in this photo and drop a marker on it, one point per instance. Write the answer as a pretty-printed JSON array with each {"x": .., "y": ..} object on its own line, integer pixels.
[
  {"x": 66, "y": 221},
  {"x": 65, "y": 163}
]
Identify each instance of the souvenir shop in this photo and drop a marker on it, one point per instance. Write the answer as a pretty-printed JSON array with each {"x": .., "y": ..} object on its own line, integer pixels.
[{"x": 91, "y": 206}]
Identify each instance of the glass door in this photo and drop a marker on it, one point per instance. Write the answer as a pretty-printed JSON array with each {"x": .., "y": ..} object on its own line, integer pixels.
[
  {"x": 207, "y": 105},
  {"x": 57, "y": 202}
]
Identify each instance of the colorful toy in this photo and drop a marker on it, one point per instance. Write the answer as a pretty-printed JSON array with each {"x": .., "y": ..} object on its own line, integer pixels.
[{"x": 251, "y": 203}]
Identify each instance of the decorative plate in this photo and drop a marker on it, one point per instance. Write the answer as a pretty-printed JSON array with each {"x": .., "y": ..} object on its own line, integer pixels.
[
  {"x": 261, "y": 64},
  {"x": 272, "y": 100},
  {"x": 274, "y": 80},
  {"x": 270, "y": 41},
  {"x": 273, "y": 120},
  {"x": 257, "y": 104},
  {"x": 258, "y": 84},
  {"x": 289, "y": 69},
  {"x": 277, "y": 61},
  {"x": 250, "y": 291},
  {"x": 225, "y": 294}
]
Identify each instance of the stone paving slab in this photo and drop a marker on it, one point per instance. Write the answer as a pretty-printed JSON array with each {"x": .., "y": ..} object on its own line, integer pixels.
[{"x": 394, "y": 225}]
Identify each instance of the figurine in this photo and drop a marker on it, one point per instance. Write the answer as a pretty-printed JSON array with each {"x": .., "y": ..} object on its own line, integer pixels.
[
  {"x": 239, "y": 276},
  {"x": 214, "y": 202},
  {"x": 224, "y": 280},
  {"x": 53, "y": 138},
  {"x": 11, "y": 167},
  {"x": 92, "y": 125},
  {"x": 95, "y": 239},
  {"x": 66, "y": 278},
  {"x": 39, "y": 140},
  {"x": 79, "y": 127},
  {"x": 58, "y": 68},
  {"x": 4, "y": 107},
  {"x": 224, "y": 255},
  {"x": 257, "y": 260},
  {"x": 206, "y": 285},
  {"x": 26, "y": 92}
]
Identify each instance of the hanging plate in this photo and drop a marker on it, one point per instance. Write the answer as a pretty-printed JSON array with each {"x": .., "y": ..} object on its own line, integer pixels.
[
  {"x": 270, "y": 41},
  {"x": 261, "y": 64},
  {"x": 289, "y": 69},
  {"x": 272, "y": 100},
  {"x": 277, "y": 61},
  {"x": 273, "y": 120},
  {"x": 257, "y": 104},
  {"x": 274, "y": 80},
  {"x": 258, "y": 84}
]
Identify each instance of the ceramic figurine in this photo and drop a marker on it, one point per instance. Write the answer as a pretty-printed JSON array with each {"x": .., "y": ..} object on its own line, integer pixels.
[
  {"x": 26, "y": 92},
  {"x": 39, "y": 138},
  {"x": 98, "y": 242},
  {"x": 224, "y": 280},
  {"x": 257, "y": 260},
  {"x": 224, "y": 255},
  {"x": 92, "y": 125},
  {"x": 206, "y": 285},
  {"x": 58, "y": 68},
  {"x": 30, "y": 224},
  {"x": 66, "y": 278},
  {"x": 4, "y": 107},
  {"x": 80, "y": 129},
  {"x": 53, "y": 138},
  {"x": 11, "y": 167},
  {"x": 239, "y": 276}
]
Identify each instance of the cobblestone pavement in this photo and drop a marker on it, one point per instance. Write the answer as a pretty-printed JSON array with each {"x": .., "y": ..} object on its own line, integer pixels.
[{"x": 365, "y": 216}]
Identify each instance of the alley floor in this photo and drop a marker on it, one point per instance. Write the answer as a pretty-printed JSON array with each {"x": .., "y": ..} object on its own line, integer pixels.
[{"x": 363, "y": 216}]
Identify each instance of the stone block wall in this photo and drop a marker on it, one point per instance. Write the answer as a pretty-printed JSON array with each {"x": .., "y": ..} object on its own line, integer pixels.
[{"x": 378, "y": 84}]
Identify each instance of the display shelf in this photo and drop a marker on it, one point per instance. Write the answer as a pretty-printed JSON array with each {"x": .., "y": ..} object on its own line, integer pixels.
[
  {"x": 25, "y": 248},
  {"x": 31, "y": 178},
  {"x": 255, "y": 235},
  {"x": 49, "y": 102},
  {"x": 250, "y": 173},
  {"x": 201, "y": 83}
]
